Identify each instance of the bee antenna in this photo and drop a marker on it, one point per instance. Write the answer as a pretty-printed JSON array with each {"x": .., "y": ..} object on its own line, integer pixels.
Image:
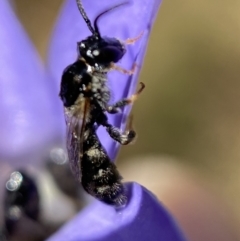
[
  {"x": 85, "y": 17},
  {"x": 101, "y": 14}
]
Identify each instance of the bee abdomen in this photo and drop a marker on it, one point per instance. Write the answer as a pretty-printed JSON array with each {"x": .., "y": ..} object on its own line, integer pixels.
[{"x": 100, "y": 177}]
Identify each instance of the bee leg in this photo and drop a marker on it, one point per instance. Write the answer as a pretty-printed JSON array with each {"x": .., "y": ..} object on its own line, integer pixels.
[
  {"x": 122, "y": 70},
  {"x": 116, "y": 134},
  {"x": 123, "y": 138},
  {"x": 113, "y": 109},
  {"x": 133, "y": 40}
]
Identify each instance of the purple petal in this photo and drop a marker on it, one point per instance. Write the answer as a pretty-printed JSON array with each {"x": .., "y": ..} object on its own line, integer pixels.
[
  {"x": 29, "y": 119},
  {"x": 124, "y": 22},
  {"x": 144, "y": 218}
]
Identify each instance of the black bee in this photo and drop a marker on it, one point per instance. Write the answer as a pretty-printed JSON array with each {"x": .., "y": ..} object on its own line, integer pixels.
[{"x": 85, "y": 97}]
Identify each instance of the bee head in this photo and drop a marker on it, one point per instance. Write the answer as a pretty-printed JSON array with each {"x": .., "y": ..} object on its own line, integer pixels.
[{"x": 99, "y": 51}]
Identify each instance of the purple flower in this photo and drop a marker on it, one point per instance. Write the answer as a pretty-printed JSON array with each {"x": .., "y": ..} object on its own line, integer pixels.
[
  {"x": 143, "y": 219},
  {"x": 31, "y": 121},
  {"x": 28, "y": 100}
]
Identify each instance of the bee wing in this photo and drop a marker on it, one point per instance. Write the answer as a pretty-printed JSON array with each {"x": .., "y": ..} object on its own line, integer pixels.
[{"x": 76, "y": 120}]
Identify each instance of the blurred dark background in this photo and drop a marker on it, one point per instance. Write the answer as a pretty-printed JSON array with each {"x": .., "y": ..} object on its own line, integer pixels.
[{"x": 188, "y": 118}]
